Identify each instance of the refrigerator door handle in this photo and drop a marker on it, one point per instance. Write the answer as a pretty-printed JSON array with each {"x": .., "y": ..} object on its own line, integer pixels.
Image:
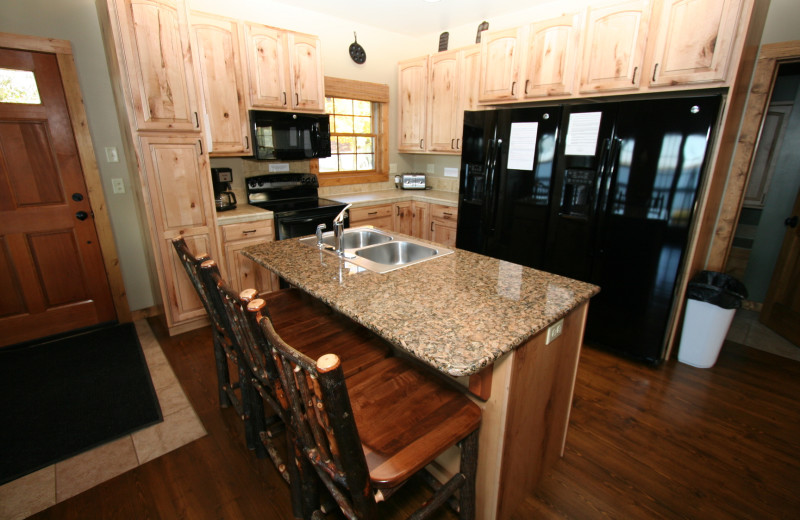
[
  {"x": 611, "y": 173},
  {"x": 492, "y": 191},
  {"x": 600, "y": 175}
]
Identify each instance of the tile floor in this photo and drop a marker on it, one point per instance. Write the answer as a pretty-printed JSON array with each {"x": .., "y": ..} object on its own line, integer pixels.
[
  {"x": 747, "y": 330},
  {"x": 46, "y": 487}
]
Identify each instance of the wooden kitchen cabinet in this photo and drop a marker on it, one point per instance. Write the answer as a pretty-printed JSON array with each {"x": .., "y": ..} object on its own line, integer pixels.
[
  {"x": 153, "y": 51},
  {"x": 500, "y": 65},
  {"x": 284, "y": 69},
  {"x": 412, "y": 84},
  {"x": 403, "y": 217},
  {"x": 175, "y": 180},
  {"x": 552, "y": 55},
  {"x": 444, "y": 221},
  {"x": 242, "y": 273},
  {"x": 218, "y": 47},
  {"x": 380, "y": 216},
  {"x": 421, "y": 220},
  {"x": 614, "y": 47},
  {"x": 693, "y": 41},
  {"x": 443, "y": 108}
]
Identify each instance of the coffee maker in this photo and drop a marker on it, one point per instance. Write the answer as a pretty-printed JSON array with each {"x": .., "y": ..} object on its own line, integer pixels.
[{"x": 224, "y": 198}]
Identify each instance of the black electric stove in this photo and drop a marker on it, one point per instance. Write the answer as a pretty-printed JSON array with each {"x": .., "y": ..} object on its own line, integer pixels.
[{"x": 293, "y": 199}]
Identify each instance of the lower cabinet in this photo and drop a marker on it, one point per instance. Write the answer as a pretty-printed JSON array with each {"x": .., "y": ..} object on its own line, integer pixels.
[
  {"x": 421, "y": 220},
  {"x": 404, "y": 217},
  {"x": 380, "y": 216},
  {"x": 444, "y": 220},
  {"x": 241, "y": 272}
]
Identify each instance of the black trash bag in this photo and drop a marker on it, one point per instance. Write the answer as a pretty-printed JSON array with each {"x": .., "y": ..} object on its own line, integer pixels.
[{"x": 716, "y": 288}]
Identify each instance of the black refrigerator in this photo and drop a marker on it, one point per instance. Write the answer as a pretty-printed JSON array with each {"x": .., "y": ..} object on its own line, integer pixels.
[{"x": 621, "y": 186}]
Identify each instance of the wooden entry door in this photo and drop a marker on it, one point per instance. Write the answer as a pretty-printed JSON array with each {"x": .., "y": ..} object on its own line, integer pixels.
[
  {"x": 52, "y": 276},
  {"x": 781, "y": 310}
]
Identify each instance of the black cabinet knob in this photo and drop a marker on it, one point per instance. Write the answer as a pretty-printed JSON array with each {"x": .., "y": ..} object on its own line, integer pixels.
[
  {"x": 791, "y": 221},
  {"x": 81, "y": 215}
]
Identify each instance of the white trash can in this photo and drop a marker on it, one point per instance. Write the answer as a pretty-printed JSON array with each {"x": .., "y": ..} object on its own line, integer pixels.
[
  {"x": 712, "y": 302},
  {"x": 704, "y": 329}
]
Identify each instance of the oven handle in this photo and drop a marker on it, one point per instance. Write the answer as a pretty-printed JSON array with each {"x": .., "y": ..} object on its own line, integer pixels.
[{"x": 300, "y": 220}]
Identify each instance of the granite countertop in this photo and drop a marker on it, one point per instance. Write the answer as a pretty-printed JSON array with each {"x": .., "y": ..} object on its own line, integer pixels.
[
  {"x": 457, "y": 313},
  {"x": 246, "y": 213}
]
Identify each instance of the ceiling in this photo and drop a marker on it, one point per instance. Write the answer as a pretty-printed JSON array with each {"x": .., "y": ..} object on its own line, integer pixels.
[{"x": 415, "y": 17}]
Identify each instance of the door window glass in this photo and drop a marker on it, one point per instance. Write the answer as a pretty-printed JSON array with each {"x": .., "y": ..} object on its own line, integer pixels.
[{"x": 18, "y": 86}]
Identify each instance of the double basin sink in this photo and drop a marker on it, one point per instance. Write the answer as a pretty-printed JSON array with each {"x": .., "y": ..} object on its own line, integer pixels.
[{"x": 378, "y": 250}]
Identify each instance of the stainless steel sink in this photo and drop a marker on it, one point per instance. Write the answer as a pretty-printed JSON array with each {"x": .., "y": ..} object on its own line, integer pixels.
[
  {"x": 377, "y": 250},
  {"x": 397, "y": 253}
]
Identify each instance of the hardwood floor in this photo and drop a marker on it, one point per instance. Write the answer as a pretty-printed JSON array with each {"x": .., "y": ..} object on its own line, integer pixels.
[{"x": 669, "y": 442}]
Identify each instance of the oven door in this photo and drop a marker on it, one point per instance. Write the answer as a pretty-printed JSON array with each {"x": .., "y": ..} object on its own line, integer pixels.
[{"x": 300, "y": 225}]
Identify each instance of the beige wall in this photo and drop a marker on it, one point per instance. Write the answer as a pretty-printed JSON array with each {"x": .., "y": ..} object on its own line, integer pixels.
[{"x": 76, "y": 21}]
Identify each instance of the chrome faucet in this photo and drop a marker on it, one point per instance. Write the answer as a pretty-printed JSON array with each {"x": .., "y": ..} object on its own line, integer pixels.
[
  {"x": 338, "y": 229},
  {"x": 319, "y": 234}
]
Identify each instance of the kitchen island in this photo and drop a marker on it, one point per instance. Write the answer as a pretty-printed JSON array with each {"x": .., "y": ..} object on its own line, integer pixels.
[{"x": 481, "y": 321}]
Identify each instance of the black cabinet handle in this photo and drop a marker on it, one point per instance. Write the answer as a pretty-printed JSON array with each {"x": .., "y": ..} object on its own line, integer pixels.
[
  {"x": 655, "y": 68},
  {"x": 791, "y": 221},
  {"x": 81, "y": 215},
  {"x": 633, "y": 78}
]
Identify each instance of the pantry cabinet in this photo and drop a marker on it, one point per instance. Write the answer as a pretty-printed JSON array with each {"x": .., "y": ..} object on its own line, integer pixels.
[
  {"x": 614, "y": 47},
  {"x": 153, "y": 47},
  {"x": 693, "y": 41},
  {"x": 243, "y": 273},
  {"x": 175, "y": 181},
  {"x": 222, "y": 80}
]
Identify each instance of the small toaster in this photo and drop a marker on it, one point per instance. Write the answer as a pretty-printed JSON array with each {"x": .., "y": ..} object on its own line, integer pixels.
[{"x": 412, "y": 181}]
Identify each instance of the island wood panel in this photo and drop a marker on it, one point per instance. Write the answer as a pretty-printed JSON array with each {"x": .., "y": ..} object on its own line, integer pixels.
[{"x": 540, "y": 399}]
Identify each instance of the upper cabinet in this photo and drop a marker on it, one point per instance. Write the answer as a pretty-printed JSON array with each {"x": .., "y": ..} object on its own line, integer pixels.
[
  {"x": 614, "y": 47},
  {"x": 285, "y": 69},
  {"x": 218, "y": 47},
  {"x": 157, "y": 58},
  {"x": 552, "y": 56},
  {"x": 500, "y": 59},
  {"x": 693, "y": 41},
  {"x": 412, "y": 81}
]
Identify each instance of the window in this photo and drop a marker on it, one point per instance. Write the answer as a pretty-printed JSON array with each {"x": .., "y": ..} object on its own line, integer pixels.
[
  {"x": 18, "y": 86},
  {"x": 359, "y": 121}
]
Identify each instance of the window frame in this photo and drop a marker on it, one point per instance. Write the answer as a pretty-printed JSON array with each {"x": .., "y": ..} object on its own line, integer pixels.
[{"x": 364, "y": 91}]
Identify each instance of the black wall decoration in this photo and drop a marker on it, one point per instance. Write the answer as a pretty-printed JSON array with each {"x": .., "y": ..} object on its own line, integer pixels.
[
  {"x": 482, "y": 27},
  {"x": 444, "y": 38},
  {"x": 357, "y": 52}
]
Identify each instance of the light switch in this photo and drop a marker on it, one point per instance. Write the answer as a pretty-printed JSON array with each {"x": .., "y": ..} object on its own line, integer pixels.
[{"x": 111, "y": 154}]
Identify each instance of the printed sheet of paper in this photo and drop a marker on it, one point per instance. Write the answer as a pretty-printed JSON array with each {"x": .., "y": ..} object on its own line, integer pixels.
[
  {"x": 522, "y": 146},
  {"x": 582, "y": 133}
]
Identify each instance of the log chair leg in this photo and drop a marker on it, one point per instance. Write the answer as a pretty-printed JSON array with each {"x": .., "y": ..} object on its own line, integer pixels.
[
  {"x": 223, "y": 378},
  {"x": 469, "y": 468}
]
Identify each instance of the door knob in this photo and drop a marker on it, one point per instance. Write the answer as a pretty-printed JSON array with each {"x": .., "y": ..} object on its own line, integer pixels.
[
  {"x": 81, "y": 215},
  {"x": 791, "y": 221}
]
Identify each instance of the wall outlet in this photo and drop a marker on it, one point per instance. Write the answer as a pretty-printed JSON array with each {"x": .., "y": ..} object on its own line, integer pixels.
[
  {"x": 392, "y": 167},
  {"x": 117, "y": 185},
  {"x": 430, "y": 168},
  {"x": 554, "y": 331}
]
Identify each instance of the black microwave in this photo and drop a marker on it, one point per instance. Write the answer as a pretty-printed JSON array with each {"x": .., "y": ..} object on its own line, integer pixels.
[{"x": 289, "y": 136}]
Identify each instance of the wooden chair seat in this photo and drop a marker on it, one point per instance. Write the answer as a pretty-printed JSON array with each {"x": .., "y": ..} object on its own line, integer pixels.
[
  {"x": 406, "y": 418},
  {"x": 365, "y": 435}
]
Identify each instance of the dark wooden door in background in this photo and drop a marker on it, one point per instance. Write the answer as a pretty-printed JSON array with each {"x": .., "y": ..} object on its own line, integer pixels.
[{"x": 52, "y": 277}]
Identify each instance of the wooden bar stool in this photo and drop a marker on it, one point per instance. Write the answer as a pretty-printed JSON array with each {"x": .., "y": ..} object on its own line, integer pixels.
[{"x": 366, "y": 435}]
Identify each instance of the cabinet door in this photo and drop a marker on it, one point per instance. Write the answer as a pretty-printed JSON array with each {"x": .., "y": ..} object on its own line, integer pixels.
[
  {"x": 265, "y": 48},
  {"x": 694, "y": 41},
  {"x": 177, "y": 185},
  {"x": 243, "y": 273},
  {"x": 421, "y": 219},
  {"x": 412, "y": 80},
  {"x": 614, "y": 47},
  {"x": 443, "y": 103},
  {"x": 500, "y": 65},
  {"x": 222, "y": 79},
  {"x": 403, "y": 218},
  {"x": 158, "y": 60},
  {"x": 444, "y": 220},
  {"x": 551, "y": 57},
  {"x": 469, "y": 82},
  {"x": 305, "y": 68}
]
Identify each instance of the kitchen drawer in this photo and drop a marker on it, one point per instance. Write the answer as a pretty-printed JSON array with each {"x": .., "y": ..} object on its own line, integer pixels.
[
  {"x": 370, "y": 212},
  {"x": 444, "y": 212},
  {"x": 255, "y": 229}
]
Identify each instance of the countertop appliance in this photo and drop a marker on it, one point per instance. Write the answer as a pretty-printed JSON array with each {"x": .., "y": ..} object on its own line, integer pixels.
[
  {"x": 293, "y": 199},
  {"x": 413, "y": 181},
  {"x": 224, "y": 198},
  {"x": 610, "y": 201},
  {"x": 289, "y": 136}
]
